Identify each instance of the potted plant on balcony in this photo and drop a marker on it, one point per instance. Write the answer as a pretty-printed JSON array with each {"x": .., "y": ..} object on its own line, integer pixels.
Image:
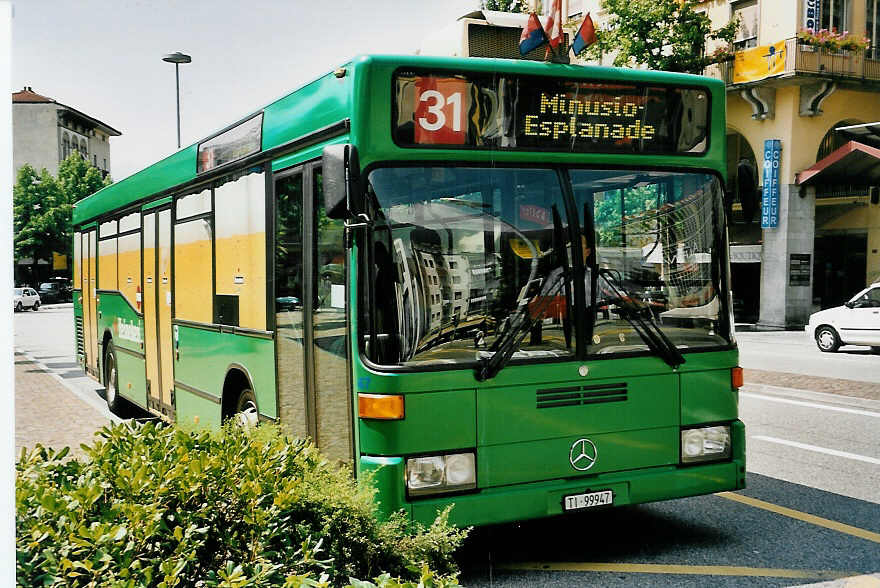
[{"x": 831, "y": 40}]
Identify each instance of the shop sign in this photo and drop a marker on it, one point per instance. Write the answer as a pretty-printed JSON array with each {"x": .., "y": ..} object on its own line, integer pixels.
[
  {"x": 799, "y": 269},
  {"x": 770, "y": 194},
  {"x": 745, "y": 254},
  {"x": 811, "y": 15}
]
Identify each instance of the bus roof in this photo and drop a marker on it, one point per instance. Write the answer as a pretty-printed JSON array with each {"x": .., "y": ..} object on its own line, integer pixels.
[{"x": 328, "y": 101}]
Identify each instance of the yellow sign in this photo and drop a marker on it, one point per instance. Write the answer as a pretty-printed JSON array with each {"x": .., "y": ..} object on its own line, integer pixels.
[
  {"x": 59, "y": 261},
  {"x": 759, "y": 63}
]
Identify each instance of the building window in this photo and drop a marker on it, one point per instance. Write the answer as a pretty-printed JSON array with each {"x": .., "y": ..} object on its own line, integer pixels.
[
  {"x": 747, "y": 34},
  {"x": 65, "y": 146},
  {"x": 835, "y": 15}
]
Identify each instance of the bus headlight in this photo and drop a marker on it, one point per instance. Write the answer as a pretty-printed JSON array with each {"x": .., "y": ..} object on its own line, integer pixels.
[
  {"x": 705, "y": 444},
  {"x": 440, "y": 473}
]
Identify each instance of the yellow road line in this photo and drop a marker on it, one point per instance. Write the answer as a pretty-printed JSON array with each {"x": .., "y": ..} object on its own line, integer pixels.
[
  {"x": 677, "y": 569},
  {"x": 802, "y": 516}
]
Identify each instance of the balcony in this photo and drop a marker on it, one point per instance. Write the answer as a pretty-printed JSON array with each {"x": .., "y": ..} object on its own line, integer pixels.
[{"x": 807, "y": 60}]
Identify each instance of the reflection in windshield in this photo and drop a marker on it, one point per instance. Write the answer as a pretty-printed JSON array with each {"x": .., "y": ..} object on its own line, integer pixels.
[
  {"x": 657, "y": 232},
  {"x": 457, "y": 253},
  {"x": 467, "y": 262}
]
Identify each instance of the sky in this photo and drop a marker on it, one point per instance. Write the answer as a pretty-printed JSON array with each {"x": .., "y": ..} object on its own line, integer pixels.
[{"x": 104, "y": 57}]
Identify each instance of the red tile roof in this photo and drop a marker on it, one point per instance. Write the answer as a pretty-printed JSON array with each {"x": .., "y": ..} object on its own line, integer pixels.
[{"x": 28, "y": 95}]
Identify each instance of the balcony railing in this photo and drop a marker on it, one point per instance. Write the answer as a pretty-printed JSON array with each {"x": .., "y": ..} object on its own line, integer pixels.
[{"x": 814, "y": 61}]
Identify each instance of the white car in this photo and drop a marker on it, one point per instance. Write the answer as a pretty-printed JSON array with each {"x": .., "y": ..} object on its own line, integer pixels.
[
  {"x": 25, "y": 298},
  {"x": 855, "y": 323}
]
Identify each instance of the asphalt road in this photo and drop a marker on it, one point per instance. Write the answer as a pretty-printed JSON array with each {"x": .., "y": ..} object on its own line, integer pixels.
[
  {"x": 793, "y": 352},
  {"x": 811, "y": 511}
]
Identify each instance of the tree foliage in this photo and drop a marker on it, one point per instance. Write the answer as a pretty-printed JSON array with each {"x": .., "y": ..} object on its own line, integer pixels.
[
  {"x": 43, "y": 206},
  {"x": 505, "y": 5},
  {"x": 667, "y": 35}
]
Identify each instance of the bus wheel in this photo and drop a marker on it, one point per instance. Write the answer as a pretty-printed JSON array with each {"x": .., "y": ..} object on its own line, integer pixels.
[
  {"x": 111, "y": 380},
  {"x": 827, "y": 339},
  {"x": 246, "y": 415}
]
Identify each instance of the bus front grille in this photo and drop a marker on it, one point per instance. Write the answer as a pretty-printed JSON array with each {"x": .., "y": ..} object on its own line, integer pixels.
[{"x": 578, "y": 395}]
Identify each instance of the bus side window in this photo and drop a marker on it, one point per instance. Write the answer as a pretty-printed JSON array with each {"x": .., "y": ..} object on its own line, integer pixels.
[
  {"x": 129, "y": 259},
  {"x": 240, "y": 247}
]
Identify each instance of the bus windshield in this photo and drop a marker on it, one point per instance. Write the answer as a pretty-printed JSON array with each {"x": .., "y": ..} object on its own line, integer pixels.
[{"x": 468, "y": 262}]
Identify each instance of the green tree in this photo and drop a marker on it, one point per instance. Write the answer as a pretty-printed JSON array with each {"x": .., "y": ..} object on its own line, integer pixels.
[
  {"x": 43, "y": 207},
  {"x": 505, "y": 5},
  {"x": 667, "y": 35}
]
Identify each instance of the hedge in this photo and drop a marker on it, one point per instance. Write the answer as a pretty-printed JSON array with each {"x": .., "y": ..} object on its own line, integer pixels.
[{"x": 155, "y": 505}]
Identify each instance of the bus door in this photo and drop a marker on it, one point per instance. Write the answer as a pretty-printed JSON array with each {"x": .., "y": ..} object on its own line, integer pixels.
[
  {"x": 89, "y": 305},
  {"x": 158, "y": 346},
  {"x": 310, "y": 320}
]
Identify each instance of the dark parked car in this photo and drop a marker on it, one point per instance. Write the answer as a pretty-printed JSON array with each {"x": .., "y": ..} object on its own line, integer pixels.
[{"x": 55, "y": 291}]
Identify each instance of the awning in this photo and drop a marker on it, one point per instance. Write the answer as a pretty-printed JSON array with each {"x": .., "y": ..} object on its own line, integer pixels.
[{"x": 854, "y": 163}]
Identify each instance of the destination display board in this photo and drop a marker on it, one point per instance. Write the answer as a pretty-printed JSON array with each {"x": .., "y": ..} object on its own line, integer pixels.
[{"x": 476, "y": 111}]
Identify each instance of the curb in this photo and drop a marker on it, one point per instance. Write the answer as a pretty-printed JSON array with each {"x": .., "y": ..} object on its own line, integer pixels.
[{"x": 90, "y": 398}]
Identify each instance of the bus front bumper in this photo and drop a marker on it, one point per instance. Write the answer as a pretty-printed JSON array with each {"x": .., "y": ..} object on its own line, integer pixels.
[{"x": 544, "y": 499}]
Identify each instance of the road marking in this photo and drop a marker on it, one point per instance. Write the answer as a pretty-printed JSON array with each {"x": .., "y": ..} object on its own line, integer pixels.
[
  {"x": 811, "y": 404},
  {"x": 818, "y": 449},
  {"x": 802, "y": 516},
  {"x": 678, "y": 569}
]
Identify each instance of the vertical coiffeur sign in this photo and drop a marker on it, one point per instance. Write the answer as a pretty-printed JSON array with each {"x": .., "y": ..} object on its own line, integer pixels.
[
  {"x": 770, "y": 195},
  {"x": 811, "y": 14}
]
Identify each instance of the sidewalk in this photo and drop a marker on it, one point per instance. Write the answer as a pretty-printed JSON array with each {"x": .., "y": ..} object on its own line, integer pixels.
[
  {"x": 49, "y": 413},
  {"x": 853, "y": 388}
]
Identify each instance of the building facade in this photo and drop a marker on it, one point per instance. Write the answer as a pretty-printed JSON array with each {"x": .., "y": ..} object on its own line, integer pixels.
[
  {"x": 807, "y": 112},
  {"x": 806, "y": 108},
  {"x": 45, "y": 132}
]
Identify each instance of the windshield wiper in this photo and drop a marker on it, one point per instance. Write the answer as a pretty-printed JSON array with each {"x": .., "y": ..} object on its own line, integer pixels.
[
  {"x": 639, "y": 315},
  {"x": 528, "y": 314}
]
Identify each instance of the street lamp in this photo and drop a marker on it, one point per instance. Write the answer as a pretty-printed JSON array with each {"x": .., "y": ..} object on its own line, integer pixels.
[{"x": 177, "y": 58}]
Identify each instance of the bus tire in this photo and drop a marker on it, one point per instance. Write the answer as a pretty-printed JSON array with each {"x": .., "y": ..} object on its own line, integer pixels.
[
  {"x": 827, "y": 339},
  {"x": 111, "y": 380},
  {"x": 246, "y": 415}
]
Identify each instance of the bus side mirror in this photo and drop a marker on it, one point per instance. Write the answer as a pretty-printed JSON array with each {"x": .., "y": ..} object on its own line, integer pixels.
[{"x": 341, "y": 173}]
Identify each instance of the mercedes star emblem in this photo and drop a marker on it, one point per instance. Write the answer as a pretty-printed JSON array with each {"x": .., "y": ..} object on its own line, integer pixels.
[{"x": 583, "y": 454}]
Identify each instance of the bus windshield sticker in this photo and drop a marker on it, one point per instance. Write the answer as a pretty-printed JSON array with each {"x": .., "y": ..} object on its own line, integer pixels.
[
  {"x": 493, "y": 112},
  {"x": 236, "y": 143}
]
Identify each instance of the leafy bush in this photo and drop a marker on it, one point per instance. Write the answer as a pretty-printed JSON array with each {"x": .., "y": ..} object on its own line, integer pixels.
[{"x": 159, "y": 506}]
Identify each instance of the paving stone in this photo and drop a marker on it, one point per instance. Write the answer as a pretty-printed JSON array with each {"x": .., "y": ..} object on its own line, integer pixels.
[
  {"x": 858, "y": 389},
  {"x": 48, "y": 413}
]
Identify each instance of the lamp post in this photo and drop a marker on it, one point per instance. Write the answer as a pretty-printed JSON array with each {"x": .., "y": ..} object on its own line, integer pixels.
[{"x": 177, "y": 58}]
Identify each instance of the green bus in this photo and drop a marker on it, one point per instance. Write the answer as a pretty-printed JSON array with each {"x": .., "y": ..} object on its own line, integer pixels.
[{"x": 499, "y": 284}]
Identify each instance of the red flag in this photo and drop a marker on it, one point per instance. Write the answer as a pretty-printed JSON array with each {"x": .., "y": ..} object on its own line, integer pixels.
[
  {"x": 553, "y": 28},
  {"x": 532, "y": 35},
  {"x": 585, "y": 36}
]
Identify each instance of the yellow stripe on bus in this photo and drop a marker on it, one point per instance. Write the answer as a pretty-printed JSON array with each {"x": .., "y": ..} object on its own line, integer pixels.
[
  {"x": 678, "y": 569},
  {"x": 802, "y": 516}
]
